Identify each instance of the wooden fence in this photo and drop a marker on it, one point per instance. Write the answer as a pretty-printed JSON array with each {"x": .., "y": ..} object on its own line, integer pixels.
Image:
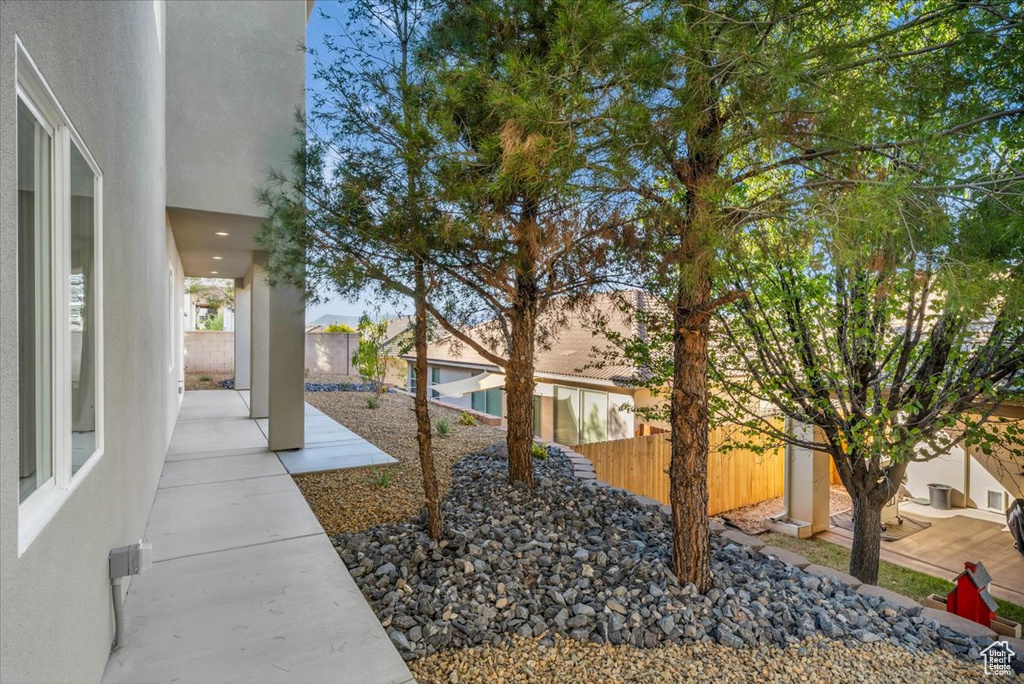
[{"x": 737, "y": 477}]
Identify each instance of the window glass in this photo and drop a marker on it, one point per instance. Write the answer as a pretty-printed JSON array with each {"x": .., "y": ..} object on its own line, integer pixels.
[
  {"x": 567, "y": 412},
  {"x": 493, "y": 399},
  {"x": 593, "y": 417},
  {"x": 435, "y": 378},
  {"x": 82, "y": 309},
  {"x": 478, "y": 401},
  {"x": 35, "y": 304}
]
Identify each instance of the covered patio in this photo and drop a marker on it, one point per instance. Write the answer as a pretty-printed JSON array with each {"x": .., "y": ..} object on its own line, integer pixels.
[{"x": 245, "y": 585}]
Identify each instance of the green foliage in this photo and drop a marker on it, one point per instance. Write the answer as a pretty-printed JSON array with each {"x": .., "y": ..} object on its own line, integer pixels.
[
  {"x": 373, "y": 402},
  {"x": 205, "y": 378},
  {"x": 339, "y": 328},
  {"x": 467, "y": 419},
  {"x": 382, "y": 477},
  {"x": 216, "y": 323},
  {"x": 443, "y": 427},
  {"x": 539, "y": 451},
  {"x": 371, "y": 357}
]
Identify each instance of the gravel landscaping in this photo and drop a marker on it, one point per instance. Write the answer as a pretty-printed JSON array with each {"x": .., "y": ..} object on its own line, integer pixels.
[
  {"x": 568, "y": 661},
  {"x": 205, "y": 380},
  {"x": 577, "y": 560},
  {"x": 752, "y": 519},
  {"x": 357, "y": 499}
]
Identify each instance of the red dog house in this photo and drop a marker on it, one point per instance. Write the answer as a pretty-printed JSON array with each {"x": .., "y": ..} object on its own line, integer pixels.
[{"x": 970, "y": 598}]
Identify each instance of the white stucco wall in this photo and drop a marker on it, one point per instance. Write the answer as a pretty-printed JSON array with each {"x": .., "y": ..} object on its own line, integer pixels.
[
  {"x": 235, "y": 79},
  {"x": 947, "y": 469},
  {"x": 104, "y": 62}
]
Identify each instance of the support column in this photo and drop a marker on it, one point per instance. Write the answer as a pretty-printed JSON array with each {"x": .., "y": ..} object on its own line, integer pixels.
[
  {"x": 259, "y": 337},
  {"x": 287, "y": 368},
  {"x": 243, "y": 318},
  {"x": 807, "y": 481}
]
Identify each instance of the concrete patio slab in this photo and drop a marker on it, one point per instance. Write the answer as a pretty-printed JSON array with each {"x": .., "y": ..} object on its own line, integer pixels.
[
  {"x": 213, "y": 517},
  {"x": 282, "y": 612},
  {"x": 223, "y": 469},
  {"x": 321, "y": 458},
  {"x": 214, "y": 435}
]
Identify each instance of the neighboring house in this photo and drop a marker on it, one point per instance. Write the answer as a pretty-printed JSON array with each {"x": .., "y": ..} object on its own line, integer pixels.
[
  {"x": 574, "y": 401},
  {"x": 132, "y": 138}
]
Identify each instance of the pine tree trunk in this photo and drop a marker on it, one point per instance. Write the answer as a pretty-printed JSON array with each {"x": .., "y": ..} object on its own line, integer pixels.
[
  {"x": 519, "y": 394},
  {"x": 688, "y": 470},
  {"x": 435, "y": 523},
  {"x": 867, "y": 539}
]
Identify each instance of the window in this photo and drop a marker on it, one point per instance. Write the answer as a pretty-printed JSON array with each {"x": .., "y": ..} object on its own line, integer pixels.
[
  {"x": 412, "y": 378},
  {"x": 435, "y": 379},
  {"x": 487, "y": 401},
  {"x": 581, "y": 416},
  {"x": 59, "y": 303}
]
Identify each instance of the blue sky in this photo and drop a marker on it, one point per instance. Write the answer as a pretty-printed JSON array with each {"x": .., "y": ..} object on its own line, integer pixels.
[{"x": 315, "y": 31}]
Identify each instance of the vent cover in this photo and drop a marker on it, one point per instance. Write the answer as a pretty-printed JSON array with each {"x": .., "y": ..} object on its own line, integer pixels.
[{"x": 995, "y": 500}]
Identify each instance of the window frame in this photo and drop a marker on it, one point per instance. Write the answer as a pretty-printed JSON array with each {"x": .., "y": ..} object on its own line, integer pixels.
[{"x": 41, "y": 505}]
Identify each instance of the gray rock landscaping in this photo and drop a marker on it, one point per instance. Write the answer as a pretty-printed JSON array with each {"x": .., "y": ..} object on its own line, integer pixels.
[{"x": 573, "y": 558}]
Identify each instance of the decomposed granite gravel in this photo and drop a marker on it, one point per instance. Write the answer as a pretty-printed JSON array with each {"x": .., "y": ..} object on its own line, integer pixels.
[
  {"x": 357, "y": 499},
  {"x": 570, "y": 661}
]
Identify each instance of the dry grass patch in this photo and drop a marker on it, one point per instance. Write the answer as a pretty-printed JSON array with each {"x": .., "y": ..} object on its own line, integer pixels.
[{"x": 360, "y": 498}]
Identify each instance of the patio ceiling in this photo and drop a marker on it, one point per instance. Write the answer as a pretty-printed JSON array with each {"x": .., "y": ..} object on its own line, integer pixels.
[{"x": 203, "y": 236}]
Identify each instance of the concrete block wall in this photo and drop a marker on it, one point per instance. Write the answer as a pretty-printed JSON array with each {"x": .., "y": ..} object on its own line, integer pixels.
[
  {"x": 210, "y": 351},
  {"x": 214, "y": 352},
  {"x": 331, "y": 352}
]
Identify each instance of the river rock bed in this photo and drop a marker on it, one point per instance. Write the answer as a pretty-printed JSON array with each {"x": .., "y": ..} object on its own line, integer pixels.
[{"x": 588, "y": 562}]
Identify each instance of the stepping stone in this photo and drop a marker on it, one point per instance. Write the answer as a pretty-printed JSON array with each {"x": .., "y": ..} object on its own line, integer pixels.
[
  {"x": 958, "y": 624},
  {"x": 912, "y": 606},
  {"x": 832, "y": 574},
  {"x": 715, "y": 526},
  {"x": 787, "y": 557},
  {"x": 738, "y": 537}
]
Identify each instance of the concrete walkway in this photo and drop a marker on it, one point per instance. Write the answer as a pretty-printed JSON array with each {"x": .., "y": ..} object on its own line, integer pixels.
[{"x": 245, "y": 585}]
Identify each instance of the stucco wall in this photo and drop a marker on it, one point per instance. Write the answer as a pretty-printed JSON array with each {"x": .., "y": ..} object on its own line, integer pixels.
[
  {"x": 221, "y": 154},
  {"x": 104, "y": 63},
  {"x": 331, "y": 352}
]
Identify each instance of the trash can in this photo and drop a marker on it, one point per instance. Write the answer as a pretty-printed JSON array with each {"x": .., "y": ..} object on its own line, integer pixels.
[{"x": 939, "y": 496}]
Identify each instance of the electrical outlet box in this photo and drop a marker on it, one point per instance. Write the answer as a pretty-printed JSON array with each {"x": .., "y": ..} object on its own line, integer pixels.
[{"x": 131, "y": 559}]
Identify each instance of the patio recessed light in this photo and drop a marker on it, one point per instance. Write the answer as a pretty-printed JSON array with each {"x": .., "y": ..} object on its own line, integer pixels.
[
  {"x": 217, "y": 258},
  {"x": 222, "y": 233},
  {"x": 214, "y": 272}
]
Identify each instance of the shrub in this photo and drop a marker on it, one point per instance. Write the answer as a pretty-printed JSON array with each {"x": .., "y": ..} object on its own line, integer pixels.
[
  {"x": 339, "y": 328},
  {"x": 373, "y": 402},
  {"x": 467, "y": 419},
  {"x": 444, "y": 428},
  {"x": 205, "y": 378},
  {"x": 381, "y": 477},
  {"x": 539, "y": 451}
]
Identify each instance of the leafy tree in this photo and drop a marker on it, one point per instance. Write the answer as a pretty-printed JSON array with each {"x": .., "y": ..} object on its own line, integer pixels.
[
  {"x": 357, "y": 212},
  {"x": 892, "y": 327},
  {"x": 371, "y": 356},
  {"x": 339, "y": 328},
  {"x": 738, "y": 112},
  {"x": 518, "y": 86}
]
